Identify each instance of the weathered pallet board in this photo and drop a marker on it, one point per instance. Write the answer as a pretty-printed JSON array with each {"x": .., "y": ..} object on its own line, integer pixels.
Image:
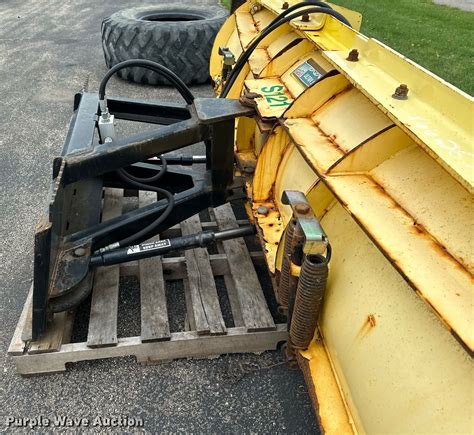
[
  {"x": 207, "y": 313},
  {"x": 255, "y": 312},
  {"x": 105, "y": 293},
  {"x": 154, "y": 312},
  {"x": 186, "y": 344},
  {"x": 206, "y": 332}
]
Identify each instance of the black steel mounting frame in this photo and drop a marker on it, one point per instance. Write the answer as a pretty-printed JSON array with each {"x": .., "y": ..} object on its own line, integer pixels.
[{"x": 70, "y": 233}]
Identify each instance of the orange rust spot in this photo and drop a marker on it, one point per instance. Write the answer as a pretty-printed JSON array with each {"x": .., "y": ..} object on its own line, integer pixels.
[
  {"x": 367, "y": 326},
  {"x": 417, "y": 229},
  {"x": 371, "y": 320}
]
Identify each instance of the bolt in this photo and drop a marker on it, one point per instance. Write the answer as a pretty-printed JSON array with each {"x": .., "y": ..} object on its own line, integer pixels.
[
  {"x": 302, "y": 208},
  {"x": 262, "y": 209},
  {"x": 305, "y": 18},
  {"x": 254, "y": 8},
  {"x": 79, "y": 252},
  {"x": 353, "y": 55},
  {"x": 401, "y": 93},
  {"x": 285, "y": 5}
]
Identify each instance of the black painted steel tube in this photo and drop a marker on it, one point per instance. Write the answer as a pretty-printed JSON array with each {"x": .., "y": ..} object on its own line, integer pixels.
[{"x": 160, "y": 247}]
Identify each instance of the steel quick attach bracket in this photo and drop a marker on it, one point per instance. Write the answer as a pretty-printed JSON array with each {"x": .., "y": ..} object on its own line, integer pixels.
[{"x": 70, "y": 233}]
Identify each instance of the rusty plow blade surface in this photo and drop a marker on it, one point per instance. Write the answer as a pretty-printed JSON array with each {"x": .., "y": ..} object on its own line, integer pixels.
[{"x": 383, "y": 151}]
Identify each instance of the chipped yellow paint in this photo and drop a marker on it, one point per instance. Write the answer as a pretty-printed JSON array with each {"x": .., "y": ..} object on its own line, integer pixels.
[
  {"x": 439, "y": 278},
  {"x": 438, "y": 116},
  {"x": 427, "y": 203},
  {"x": 335, "y": 36},
  {"x": 406, "y": 374},
  {"x": 391, "y": 181},
  {"x": 350, "y": 119},
  {"x": 245, "y": 135},
  {"x": 373, "y": 152},
  {"x": 271, "y": 228},
  {"x": 293, "y": 174},
  {"x": 315, "y": 96},
  {"x": 280, "y": 63},
  {"x": 317, "y": 21},
  {"x": 317, "y": 147},
  {"x": 246, "y": 27},
  {"x": 263, "y": 56},
  {"x": 269, "y": 160},
  {"x": 333, "y": 410},
  {"x": 274, "y": 99}
]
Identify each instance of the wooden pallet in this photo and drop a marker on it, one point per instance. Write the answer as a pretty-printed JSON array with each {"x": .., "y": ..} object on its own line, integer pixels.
[{"x": 206, "y": 334}]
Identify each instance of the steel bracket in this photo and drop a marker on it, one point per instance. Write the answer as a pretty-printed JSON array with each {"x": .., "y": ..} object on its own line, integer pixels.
[{"x": 316, "y": 241}]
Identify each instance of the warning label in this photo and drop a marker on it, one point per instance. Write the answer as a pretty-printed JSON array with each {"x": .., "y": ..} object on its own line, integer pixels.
[
  {"x": 149, "y": 246},
  {"x": 307, "y": 73}
]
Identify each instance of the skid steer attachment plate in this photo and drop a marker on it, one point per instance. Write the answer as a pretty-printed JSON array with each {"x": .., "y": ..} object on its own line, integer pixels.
[
  {"x": 70, "y": 230},
  {"x": 71, "y": 208}
]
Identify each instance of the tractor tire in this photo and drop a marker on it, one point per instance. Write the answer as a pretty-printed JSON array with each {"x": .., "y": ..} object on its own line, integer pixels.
[
  {"x": 235, "y": 4},
  {"x": 179, "y": 37}
]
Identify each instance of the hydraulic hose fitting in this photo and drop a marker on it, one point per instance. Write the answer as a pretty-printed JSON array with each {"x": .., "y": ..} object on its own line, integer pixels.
[{"x": 106, "y": 123}]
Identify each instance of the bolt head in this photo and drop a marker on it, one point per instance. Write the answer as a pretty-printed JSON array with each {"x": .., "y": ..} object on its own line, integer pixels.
[
  {"x": 254, "y": 8},
  {"x": 401, "y": 93},
  {"x": 302, "y": 208},
  {"x": 353, "y": 55},
  {"x": 262, "y": 209},
  {"x": 79, "y": 252},
  {"x": 285, "y": 5},
  {"x": 305, "y": 18}
]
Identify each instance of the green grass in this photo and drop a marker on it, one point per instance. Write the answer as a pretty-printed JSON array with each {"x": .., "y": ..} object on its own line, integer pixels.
[{"x": 437, "y": 37}]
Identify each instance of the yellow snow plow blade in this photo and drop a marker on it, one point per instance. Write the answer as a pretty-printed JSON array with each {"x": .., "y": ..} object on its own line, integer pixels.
[{"x": 383, "y": 151}]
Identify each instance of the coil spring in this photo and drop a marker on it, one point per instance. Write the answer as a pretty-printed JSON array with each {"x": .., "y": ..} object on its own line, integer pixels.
[
  {"x": 309, "y": 298},
  {"x": 285, "y": 266}
]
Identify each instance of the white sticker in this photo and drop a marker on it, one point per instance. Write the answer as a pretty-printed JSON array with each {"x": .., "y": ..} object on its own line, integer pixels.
[{"x": 149, "y": 246}]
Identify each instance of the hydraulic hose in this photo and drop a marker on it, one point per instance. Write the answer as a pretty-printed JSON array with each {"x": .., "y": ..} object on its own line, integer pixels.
[
  {"x": 140, "y": 182},
  {"x": 141, "y": 235},
  {"x": 153, "y": 66},
  {"x": 283, "y": 18},
  {"x": 157, "y": 176}
]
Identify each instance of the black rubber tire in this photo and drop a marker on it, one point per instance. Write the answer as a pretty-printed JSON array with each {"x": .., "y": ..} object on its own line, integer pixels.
[
  {"x": 235, "y": 4},
  {"x": 179, "y": 37}
]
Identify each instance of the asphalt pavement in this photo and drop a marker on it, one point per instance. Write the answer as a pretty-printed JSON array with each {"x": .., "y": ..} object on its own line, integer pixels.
[{"x": 48, "y": 50}]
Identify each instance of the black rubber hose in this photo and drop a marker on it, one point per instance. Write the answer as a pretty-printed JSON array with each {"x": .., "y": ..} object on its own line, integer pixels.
[
  {"x": 157, "y": 176},
  {"x": 154, "y": 66},
  {"x": 144, "y": 232},
  {"x": 270, "y": 28},
  {"x": 298, "y": 6}
]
